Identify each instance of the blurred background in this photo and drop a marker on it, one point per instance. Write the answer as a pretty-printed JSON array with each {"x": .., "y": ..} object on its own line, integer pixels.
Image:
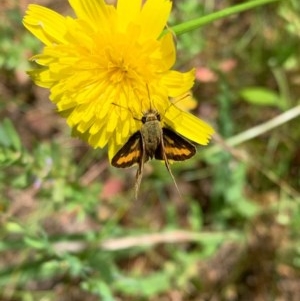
[{"x": 70, "y": 227}]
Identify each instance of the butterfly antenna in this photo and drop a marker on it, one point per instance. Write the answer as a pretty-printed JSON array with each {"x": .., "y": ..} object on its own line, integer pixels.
[
  {"x": 148, "y": 91},
  {"x": 175, "y": 100}
]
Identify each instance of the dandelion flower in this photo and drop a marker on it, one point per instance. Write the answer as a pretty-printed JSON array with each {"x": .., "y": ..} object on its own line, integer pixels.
[{"x": 109, "y": 64}]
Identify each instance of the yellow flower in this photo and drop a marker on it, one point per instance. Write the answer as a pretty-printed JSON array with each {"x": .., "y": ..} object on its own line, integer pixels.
[{"x": 108, "y": 65}]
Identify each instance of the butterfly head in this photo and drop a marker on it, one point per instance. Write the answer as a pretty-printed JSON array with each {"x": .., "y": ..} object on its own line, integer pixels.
[{"x": 150, "y": 115}]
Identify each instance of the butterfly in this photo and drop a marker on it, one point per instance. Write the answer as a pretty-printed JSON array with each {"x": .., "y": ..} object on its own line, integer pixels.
[{"x": 152, "y": 141}]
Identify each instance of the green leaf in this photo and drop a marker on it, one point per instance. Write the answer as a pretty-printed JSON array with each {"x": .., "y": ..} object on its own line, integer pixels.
[
  {"x": 100, "y": 288},
  {"x": 36, "y": 243},
  {"x": 146, "y": 286},
  {"x": 13, "y": 227},
  {"x": 262, "y": 97},
  {"x": 13, "y": 136},
  {"x": 10, "y": 143}
]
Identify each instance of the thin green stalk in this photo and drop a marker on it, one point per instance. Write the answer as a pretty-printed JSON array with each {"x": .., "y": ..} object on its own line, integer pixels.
[
  {"x": 203, "y": 20},
  {"x": 255, "y": 131}
]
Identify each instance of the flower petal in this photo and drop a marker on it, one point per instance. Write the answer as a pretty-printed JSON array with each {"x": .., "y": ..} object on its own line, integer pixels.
[
  {"x": 96, "y": 13},
  {"x": 188, "y": 125},
  {"x": 45, "y": 24},
  {"x": 154, "y": 17},
  {"x": 168, "y": 51},
  {"x": 128, "y": 11},
  {"x": 178, "y": 83}
]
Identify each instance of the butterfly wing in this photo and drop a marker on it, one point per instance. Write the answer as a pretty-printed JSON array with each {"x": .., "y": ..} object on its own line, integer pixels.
[
  {"x": 175, "y": 147},
  {"x": 130, "y": 153}
]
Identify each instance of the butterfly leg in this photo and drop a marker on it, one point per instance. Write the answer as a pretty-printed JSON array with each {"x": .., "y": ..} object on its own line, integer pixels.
[
  {"x": 139, "y": 172},
  {"x": 168, "y": 166},
  {"x": 138, "y": 178}
]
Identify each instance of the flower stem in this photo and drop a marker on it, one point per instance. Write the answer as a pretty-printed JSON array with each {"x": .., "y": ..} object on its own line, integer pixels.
[{"x": 203, "y": 20}]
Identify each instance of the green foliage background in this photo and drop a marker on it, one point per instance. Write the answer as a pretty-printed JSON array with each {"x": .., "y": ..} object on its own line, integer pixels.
[{"x": 70, "y": 228}]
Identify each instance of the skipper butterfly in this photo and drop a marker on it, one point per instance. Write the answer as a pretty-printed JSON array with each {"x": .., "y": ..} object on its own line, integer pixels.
[{"x": 153, "y": 141}]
